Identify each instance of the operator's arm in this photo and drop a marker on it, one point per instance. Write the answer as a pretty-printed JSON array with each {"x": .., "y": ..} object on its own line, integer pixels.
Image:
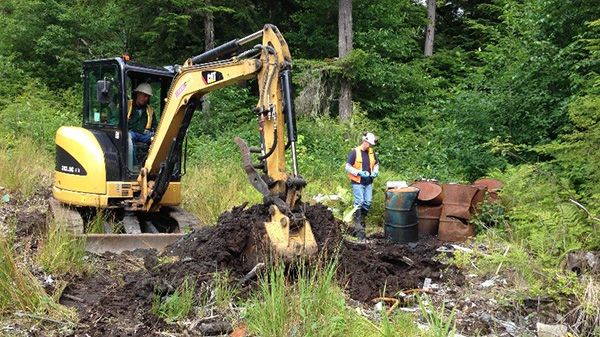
[{"x": 351, "y": 159}]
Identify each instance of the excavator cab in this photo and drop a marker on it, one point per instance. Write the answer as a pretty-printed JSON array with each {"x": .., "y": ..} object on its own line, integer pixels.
[{"x": 108, "y": 90}]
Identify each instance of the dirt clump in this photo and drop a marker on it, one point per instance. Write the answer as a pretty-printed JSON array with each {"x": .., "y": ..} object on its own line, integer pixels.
[{"x": 371, "y": 268}]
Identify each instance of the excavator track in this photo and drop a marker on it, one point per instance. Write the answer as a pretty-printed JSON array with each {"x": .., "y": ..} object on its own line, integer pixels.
[
  {"x": 186, "y": 221},
  {"x": 178, "y": 223},
  {"x": 66, "y": 216}
]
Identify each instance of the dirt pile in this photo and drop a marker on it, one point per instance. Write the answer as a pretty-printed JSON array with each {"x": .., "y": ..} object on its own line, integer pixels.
[
  {"x": 371, "y": 268},
  {"x": 118, "y": 299},
  {"x": 102, "y": 301}
]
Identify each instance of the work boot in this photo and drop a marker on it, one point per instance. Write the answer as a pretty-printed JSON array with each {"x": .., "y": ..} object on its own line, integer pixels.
[{"x": 359, "y": 226}]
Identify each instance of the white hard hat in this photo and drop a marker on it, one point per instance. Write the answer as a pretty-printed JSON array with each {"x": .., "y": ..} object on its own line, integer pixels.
[
  {"x": 144, "y": 88},
  {"x": 369, "y": 138}
]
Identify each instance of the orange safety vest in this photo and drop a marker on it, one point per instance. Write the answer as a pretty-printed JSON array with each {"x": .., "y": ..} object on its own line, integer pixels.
[
  {"x": 149, "y": 112},
  {"x": 358, "y": 163}
]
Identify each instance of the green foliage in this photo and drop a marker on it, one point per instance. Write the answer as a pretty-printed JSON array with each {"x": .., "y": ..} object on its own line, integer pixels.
[
  {"x": 313, "y": 305},
  {"x": 61, "y": 252},
  {"x": 21, "y": 291},
  {"x": 176, "y": 306},
  {"x": 224, "y": 291},
  {"x": 37, "y": 113},
  {"x": 25, "y": 166},
  {"x": 439, "y": 324},
  {"x": 230, "y": 109}
]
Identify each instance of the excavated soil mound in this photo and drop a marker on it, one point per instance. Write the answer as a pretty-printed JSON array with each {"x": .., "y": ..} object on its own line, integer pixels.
[
  {"x": 118, "y": 299},
  {"x": 370, "y": 268},
  {"x": 102, "y": 301}
]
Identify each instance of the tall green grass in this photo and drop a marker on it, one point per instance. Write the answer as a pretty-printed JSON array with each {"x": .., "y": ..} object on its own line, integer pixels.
[
  {"x": 176, "y": 306},
  {"x": 61, "y": 251},
  {"x": 21, "y": 291},
  {"x": 25, "y": 167},
  {"x": 211, "y": 189},
  {"x": 311, "y": 303}
]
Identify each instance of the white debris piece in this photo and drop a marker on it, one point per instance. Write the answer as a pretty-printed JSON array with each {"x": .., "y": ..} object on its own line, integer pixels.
[
  {"x": 427, "y": 284},
  {"x": 396, "y": 184},
  {"x": 379, "y": 306},
  {"x": 48, "y": 280},
  {"x": 546, "y": 330}
]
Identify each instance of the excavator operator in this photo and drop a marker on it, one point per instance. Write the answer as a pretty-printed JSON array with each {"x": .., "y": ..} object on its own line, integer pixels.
[
  {"x": 141, "y": 119},
  {"x": 140, "y": 115}
]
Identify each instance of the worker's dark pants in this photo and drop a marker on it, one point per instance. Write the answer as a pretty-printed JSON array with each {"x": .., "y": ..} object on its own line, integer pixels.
[
  {"x": 133, "y": 138},
  {"x": 363, "y": 195}
]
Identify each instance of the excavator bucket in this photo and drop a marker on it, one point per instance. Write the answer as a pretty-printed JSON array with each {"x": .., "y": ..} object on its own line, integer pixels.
[{"x": 290, "y": 240}]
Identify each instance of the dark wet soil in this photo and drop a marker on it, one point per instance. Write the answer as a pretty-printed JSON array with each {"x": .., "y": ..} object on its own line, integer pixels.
[
  {"x": 371, "y": 268},
  {"x": 123, "y": 289}
]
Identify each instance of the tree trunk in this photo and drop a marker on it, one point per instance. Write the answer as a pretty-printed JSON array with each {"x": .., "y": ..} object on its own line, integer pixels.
[
  {"x": 209, "y": 28},
  {"x": 344, "y": 47},
  {"x": 209, "y": 43},
  {"x": 430, "y": 28}
]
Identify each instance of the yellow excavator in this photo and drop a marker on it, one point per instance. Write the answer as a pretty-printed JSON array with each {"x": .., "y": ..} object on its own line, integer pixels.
[{"x": 99, "y": 167}]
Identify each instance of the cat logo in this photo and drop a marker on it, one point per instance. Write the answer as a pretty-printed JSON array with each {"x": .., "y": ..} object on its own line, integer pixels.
[{"x": 211, "y": 76}]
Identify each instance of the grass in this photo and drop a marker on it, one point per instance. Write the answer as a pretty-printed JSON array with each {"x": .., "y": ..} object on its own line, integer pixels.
[
  {"x": 61, "y": 252},
  {"x": 20, "y": 291},
  {"x": 209, "y": 190},
  {"x": 313, "y": 304},
  {"x": 439, "y": 324},
  {"x": 176, "y": 306},
  {"x": 25, "y": 167},
  {"x": 224, "y": 292}
]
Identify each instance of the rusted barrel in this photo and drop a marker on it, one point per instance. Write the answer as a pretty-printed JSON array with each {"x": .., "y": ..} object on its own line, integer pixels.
[
  {"x": 452, "y": 229},
  {"x": 401, "y": 215},
  {"x": 429, "y": 219},
  {"x": 457, "y": 200},
  {"x": 430, "y": 192},
  {"x": 492, "y": 185},
  {"x": 478, "y": 198}
]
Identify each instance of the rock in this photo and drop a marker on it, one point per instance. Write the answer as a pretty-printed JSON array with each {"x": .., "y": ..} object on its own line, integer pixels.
[{"x": 545, "y": 330}]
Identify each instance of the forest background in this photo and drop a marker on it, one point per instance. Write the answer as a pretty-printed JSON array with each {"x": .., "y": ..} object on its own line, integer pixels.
[{"x": 511, "y": 91}]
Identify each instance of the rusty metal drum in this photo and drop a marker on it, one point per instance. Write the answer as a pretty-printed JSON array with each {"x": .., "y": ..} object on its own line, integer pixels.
[
  {"x": 430, "y": 192},
  {"x": 429, "y": 219},
  {"x": 452, "y": 229},
  {"x": 457, "y": 200},
  {"x": 401, "y": 215}
]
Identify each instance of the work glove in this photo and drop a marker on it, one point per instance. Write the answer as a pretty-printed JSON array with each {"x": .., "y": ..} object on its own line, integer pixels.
[
  {"x": 374, "y": 174},
  {"x": 363, "y": 174}
]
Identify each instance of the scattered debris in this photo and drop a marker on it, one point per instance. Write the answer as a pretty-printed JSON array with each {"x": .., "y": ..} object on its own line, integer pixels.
[{"x": 545, "y": 330}]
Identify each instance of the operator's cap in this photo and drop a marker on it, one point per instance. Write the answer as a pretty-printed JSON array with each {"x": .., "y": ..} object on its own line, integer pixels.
[
  {"x": 369, "y": 138},
  {"x": 144, "y": 88}
]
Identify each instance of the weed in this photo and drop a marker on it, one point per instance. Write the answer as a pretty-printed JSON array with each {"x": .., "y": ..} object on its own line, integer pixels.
[
  {"x": 62, "y": 251},
  {"x": 176, "y": 306},
  {"x": 313, "y": 304},
  {"x": 210, "y": 189},
  {"x": 21, "y": 291},
  {"x": 439, "y": 324},
  {"x": 269, "y": 314},
  {"x": 224, "y": 291},
  {"x": 96, "y": 223},
  {"x": 25, "y": 167},
  {"x": 587, "y": 314}
]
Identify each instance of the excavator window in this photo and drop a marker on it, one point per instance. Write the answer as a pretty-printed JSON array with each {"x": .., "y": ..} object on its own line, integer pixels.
[
  {"x": 102, "y": 96},
  {"x": 137, "y": 152}
]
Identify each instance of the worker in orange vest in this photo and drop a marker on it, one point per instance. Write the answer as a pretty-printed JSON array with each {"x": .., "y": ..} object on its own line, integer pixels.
[{"x": 362, "y": 167}]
